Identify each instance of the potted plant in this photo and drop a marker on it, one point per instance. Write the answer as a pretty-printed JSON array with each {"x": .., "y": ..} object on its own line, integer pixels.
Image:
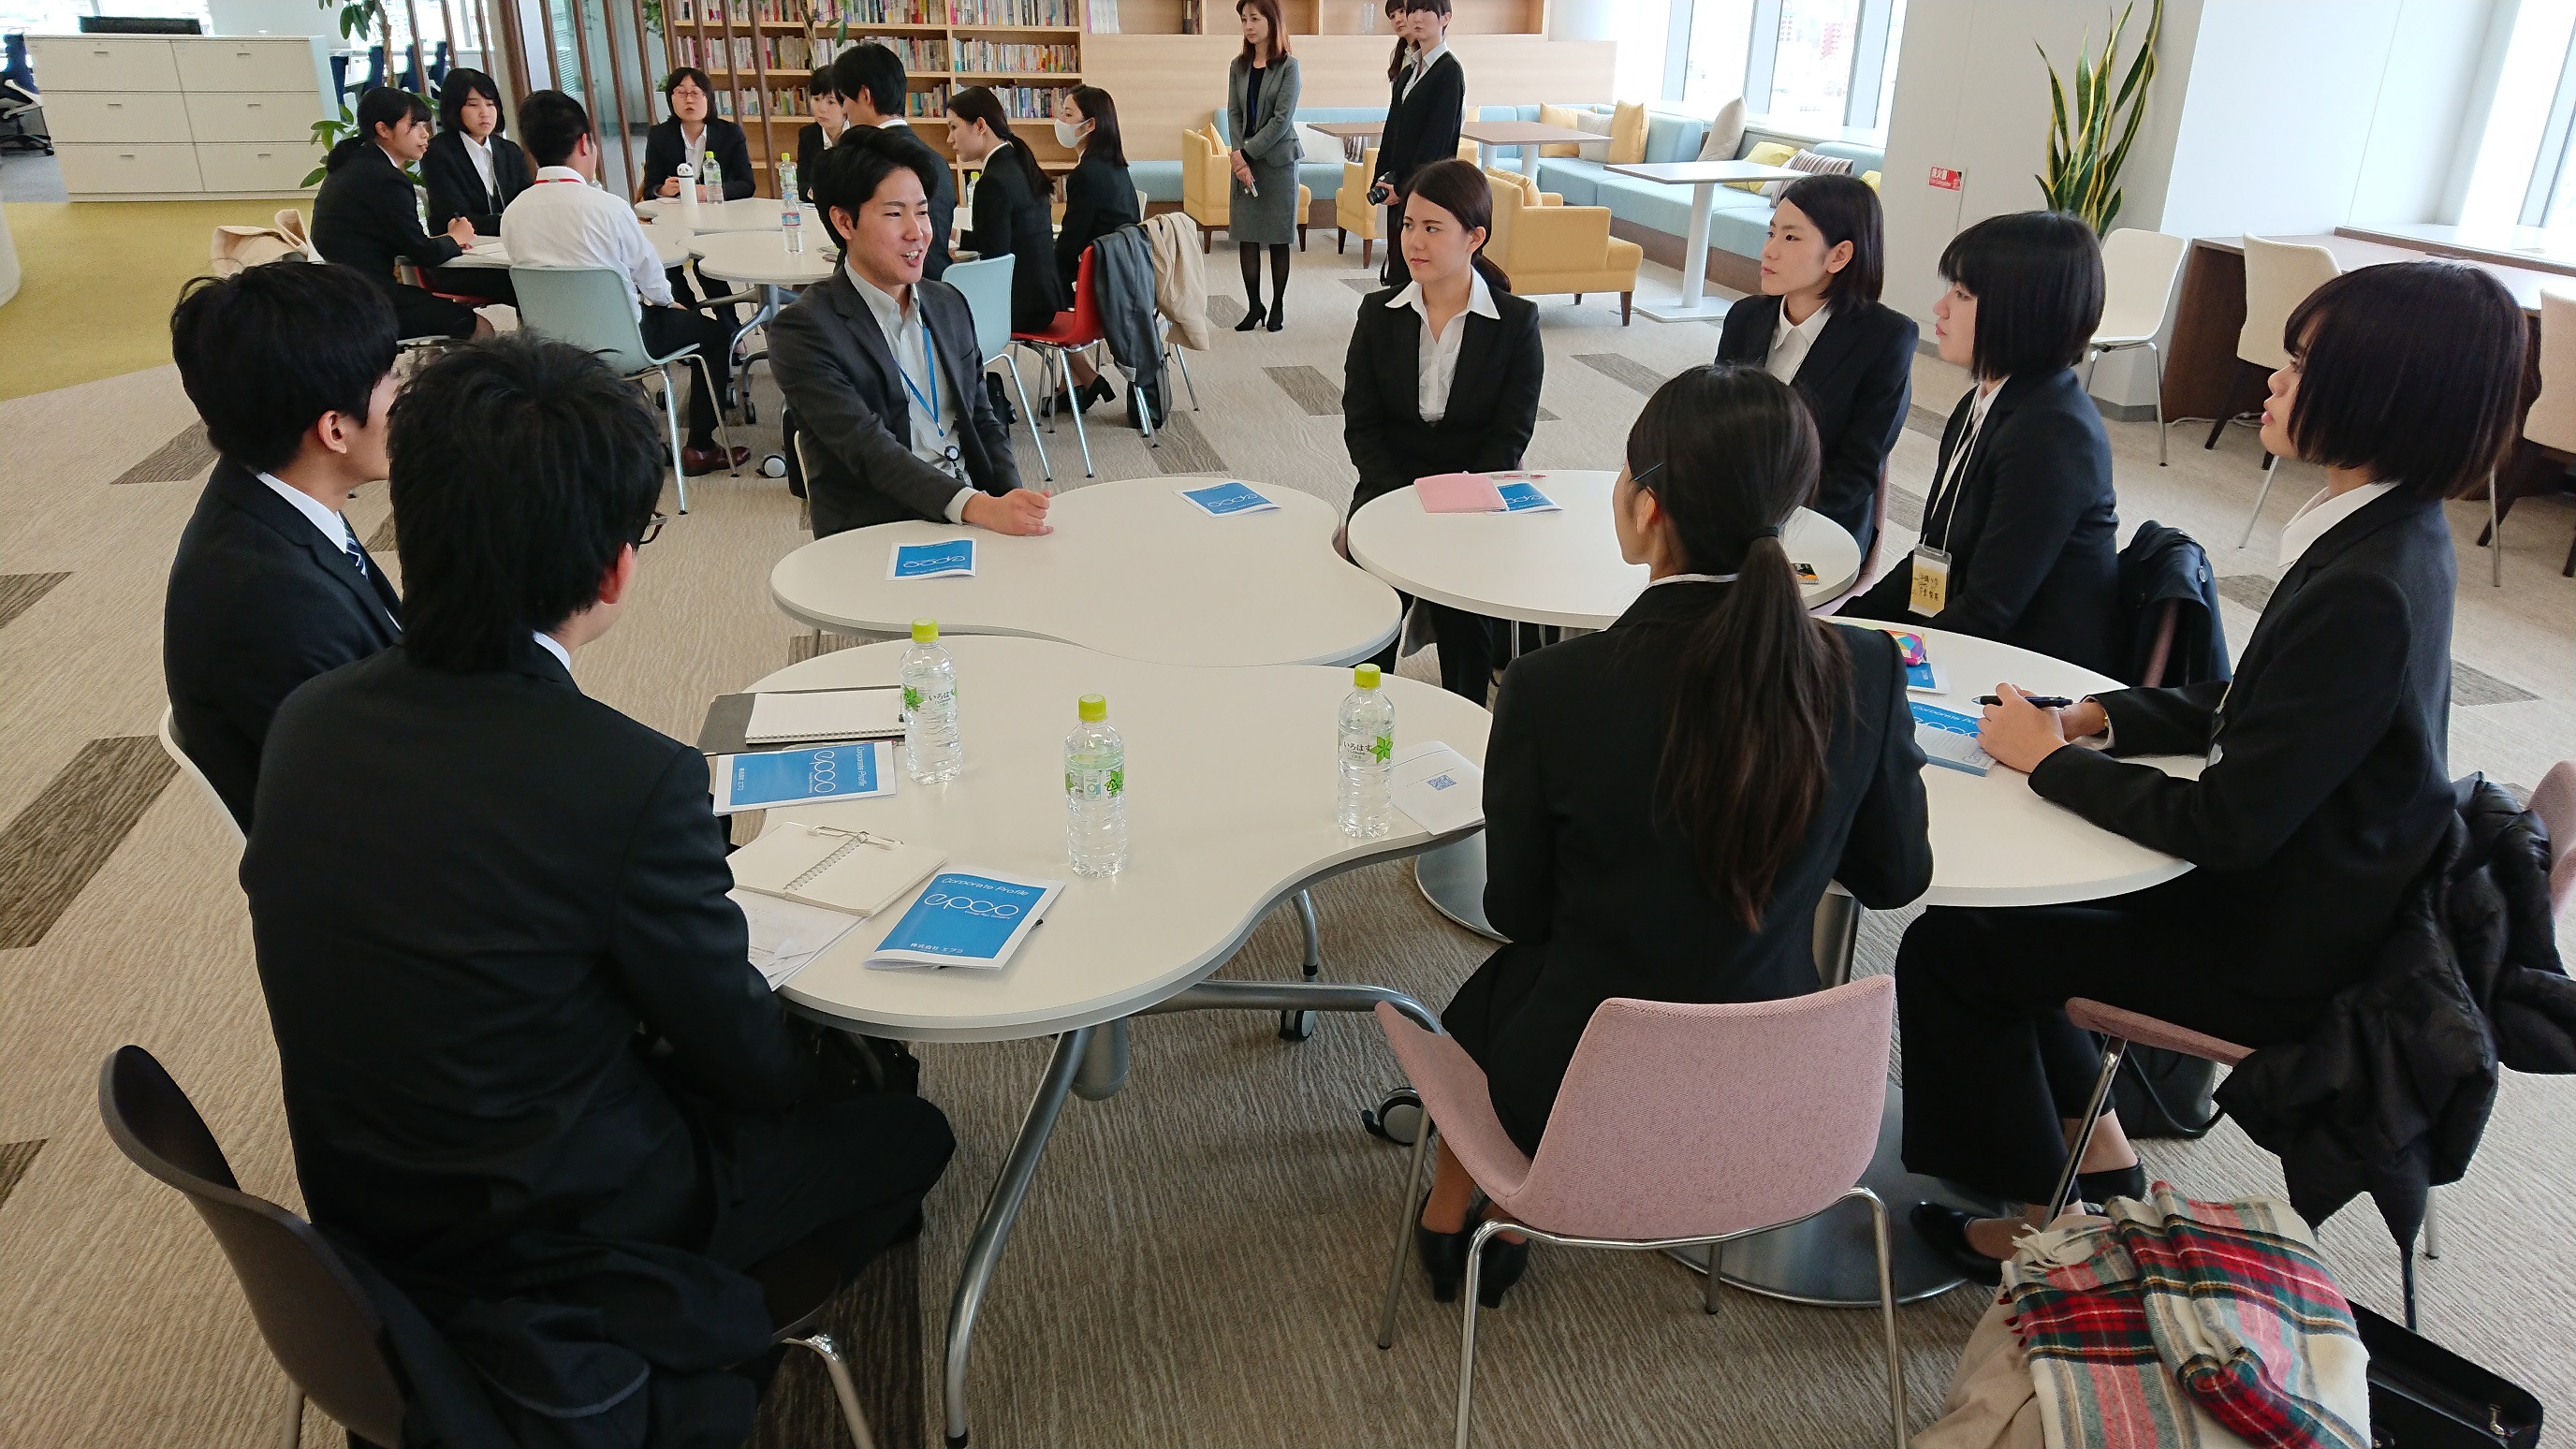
[{"x": 2087, "y": 149}]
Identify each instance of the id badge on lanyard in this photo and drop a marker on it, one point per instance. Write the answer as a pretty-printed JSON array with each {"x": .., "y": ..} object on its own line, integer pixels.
[
  {"x": 949, "y": 461},
  {"x": 1930, "y": 593}
]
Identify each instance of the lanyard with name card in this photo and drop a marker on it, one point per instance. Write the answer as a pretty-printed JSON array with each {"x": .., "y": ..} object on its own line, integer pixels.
[
  {"x": 1931, "y": 588},
  {"x": 949, "y": 460}
]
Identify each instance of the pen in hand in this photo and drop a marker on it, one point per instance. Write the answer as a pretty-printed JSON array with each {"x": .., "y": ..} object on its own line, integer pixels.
[{"x": 2043, "y": 701}]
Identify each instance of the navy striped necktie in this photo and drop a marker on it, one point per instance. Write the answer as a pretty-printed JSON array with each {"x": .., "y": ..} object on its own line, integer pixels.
[{"x": 349, "y": 537}]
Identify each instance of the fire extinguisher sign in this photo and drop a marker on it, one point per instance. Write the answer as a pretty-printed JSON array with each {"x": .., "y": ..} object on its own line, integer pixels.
[{"x": 1945, "y": 178}]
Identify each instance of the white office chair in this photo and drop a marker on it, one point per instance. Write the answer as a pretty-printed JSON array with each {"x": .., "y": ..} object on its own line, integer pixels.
[
  {"x": 2278, "y": 277},
  {"x": 2139, "y": 272},
  {"x": 2550, "y": 426},
  {"x": 593, "y": 308},
  {"x": 188, "y": 767}
]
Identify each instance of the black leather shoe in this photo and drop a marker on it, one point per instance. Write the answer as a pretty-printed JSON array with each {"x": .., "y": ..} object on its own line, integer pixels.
[
  {"x": 1278, "y": 317},
  {"x": 1098, "y": 390},
  {"x": 1504, "y": 1263},
  {"x": 1443, "y": 1255},
  {"x": 1945, "y": 1230},
  {"x": 1251, "y": 320},
  {"x": 2101, "y": 1187}
]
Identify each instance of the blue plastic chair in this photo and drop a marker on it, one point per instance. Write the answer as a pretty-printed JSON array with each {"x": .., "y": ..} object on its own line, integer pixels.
[
  {"x": 987, "y": 286},
  {"x": 593, "y": 308}
]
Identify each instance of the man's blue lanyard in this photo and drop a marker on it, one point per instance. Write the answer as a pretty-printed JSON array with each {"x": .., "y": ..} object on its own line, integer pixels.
[{"x": 929, "y": 404}]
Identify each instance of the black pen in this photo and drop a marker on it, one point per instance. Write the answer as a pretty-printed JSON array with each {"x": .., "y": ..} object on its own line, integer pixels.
[{"x": 2044, "y": 701}]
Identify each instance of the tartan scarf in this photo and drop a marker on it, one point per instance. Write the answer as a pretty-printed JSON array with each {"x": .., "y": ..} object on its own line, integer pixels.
[{"x": 2172, "y": 1305}]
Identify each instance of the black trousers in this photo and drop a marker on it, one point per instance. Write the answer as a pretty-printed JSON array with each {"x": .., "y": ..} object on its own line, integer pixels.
[
  {"x": 1469, "y": 645},
  {"x": 417, "y": 313},
  {"x": 1993, "y": 1067},
  {"x": 1393, "y": 272},
  {"x": 492, "y": 284},
  {"x": 666, "y": 328}
]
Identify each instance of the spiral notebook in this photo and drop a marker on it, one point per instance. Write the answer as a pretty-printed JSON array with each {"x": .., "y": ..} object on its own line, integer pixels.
[{"x": 824, "y": 865}]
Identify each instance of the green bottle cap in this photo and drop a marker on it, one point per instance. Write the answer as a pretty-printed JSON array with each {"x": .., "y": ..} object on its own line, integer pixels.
[
  {"x": 1365, "y": 676},
  {"x": 925, "y": 631},
  {"x": 1093, "y": 707}
]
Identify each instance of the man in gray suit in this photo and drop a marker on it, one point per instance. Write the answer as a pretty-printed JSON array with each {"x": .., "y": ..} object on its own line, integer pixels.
[{"x": 881, "y": 370}]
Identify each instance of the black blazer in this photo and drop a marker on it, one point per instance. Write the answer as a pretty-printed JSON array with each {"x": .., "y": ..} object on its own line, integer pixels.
[
  {"x": 259, "y": 602},
  {"x": 810, "y": 147},
  {"x": 2328, "y": 782},
  {"x": 1423, "y": 127},
  {"x": 840, "y": 380},
  {"x": 456, "y": 188},
  {"x": 1592, "y": 879},
  {"x": 1858, "y": 380},
  {"x": 2034, "y": 559},
  {"x": 943, "y": 188},
  {"x": 663, "y": 150},
  {"x": 367, "y": 214},
  {"x": 1011, "y": 220},
  {"x": 476, "y": 897},
  {"x": 1493, "y": 402},
  {"x": 1099, "y": 198}
]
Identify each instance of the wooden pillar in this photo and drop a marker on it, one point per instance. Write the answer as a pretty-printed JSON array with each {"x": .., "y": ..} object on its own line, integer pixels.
[{"x": 616, "y": 99}]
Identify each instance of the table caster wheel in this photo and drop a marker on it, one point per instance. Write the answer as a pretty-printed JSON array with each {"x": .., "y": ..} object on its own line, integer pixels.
[
  {"x": 774, "y": 466},
  {"x": 750, "y": 414},
  {"x": 1397, "y": 1119},
  {"x": 1296, "y": 1025}
]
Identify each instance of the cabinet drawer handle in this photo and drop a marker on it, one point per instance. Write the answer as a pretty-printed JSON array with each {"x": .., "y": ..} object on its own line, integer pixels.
[{"x": 254, "y": 105}]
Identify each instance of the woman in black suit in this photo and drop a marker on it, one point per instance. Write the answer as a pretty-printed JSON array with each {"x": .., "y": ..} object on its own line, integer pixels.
[
  {"x": 366, "y": 217},
  {"x": 1666, "y": 800},
  {"x": 472, "y": 170},
  {"x": 818, "y": 135},
  {"x": 1423, "y": 114},
  {"x": 2019, "y": 538},
  {"x": 1818, "y": 323},
  {"x": 1473, "y": 407},
  {"x": 2327, "y": 785},
  {"x": 694, "y": 135},
  {"x": 1099, "y": 198},
  {"x": 1010, "y": 206}
]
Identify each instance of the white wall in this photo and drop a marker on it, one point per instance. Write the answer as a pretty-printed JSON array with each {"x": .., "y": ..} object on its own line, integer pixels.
[
  {"x": 273, "y": 17},
  {"x": 2432, "y": 95}
]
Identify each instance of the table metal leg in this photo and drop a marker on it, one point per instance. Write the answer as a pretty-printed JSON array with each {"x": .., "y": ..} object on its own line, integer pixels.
[
  {"x": 1001, "y": 1210},
  {"x": 1692, "y": 304},
  {"x": 1452, "y": 879},
  {"x": 1291, "y": 995},
  {"x": 1529, "y": 162},
  {"x": 1300, "y": 1025}
]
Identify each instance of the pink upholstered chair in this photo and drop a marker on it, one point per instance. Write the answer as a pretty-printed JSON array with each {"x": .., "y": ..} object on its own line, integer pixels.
[
  {"x": 1676, "y": 1125},
  {"x": 2554, "y": 801}
]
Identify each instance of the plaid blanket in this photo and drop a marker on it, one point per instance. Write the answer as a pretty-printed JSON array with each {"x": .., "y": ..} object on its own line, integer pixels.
[{"x": 2172, "y": 1307}]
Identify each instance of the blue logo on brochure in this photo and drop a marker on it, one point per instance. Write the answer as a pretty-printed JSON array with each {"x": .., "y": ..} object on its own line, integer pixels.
[
  {"x": 774, "y": 777},
  {"x": 1226, "y": 498},
  {"x": 919, "y": 560},
  {"x": 1440, "y": 782},
  {"x": 970, "y": 917},
  {"x": 1519, "y": 497}
]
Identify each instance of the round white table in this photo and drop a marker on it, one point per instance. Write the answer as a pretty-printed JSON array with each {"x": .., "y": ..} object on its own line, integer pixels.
[
  {"x": 1231, "y": 776},
  {"x": 670, "y": 244},
  {"x": 1132, "y": 569},
  {"x": 751, "y": 213},
  {"x": 1559, "y": 568},
  {"x": 761, "y": 259}
]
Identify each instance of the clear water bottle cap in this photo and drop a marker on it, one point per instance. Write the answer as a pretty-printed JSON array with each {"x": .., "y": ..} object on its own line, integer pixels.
[
  {"x": 1093, "y": 708},
  {"x": 1365, "y": 676},
  {"x": 925, "y": 631}
]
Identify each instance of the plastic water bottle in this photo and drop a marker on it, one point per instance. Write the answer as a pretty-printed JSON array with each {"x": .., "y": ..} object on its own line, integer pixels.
[
  {"x": 791, "y": 217},
  {"x": 1363, "y": 807},
  {"x": 932, "y": 750},
  {"x": 1095, "y": 792},
  {"x": 715, "y": 179}
]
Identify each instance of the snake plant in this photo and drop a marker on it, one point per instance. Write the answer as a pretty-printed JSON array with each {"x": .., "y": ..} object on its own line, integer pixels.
[{"x": 2084, "y": 158}]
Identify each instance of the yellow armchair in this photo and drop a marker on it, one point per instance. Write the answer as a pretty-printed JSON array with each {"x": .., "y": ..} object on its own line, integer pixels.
[
  {"x": 1547, "y": 246},
  {"x": 1351, "y": 210},
  {"x": 1207, "y": 180}
]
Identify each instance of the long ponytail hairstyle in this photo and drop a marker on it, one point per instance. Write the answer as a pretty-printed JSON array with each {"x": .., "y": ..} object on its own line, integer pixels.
[
  {"x": 1395, "y": 62},
  {"x": 1461, "y": 190},
  {"x": 978, "y": 103},
  {"x": 1730, "y": 453},
  {"x": 383, "y": 106}
]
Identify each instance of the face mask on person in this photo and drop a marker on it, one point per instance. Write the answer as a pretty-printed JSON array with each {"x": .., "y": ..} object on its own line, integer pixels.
[{"x": 1068, "y": 134}]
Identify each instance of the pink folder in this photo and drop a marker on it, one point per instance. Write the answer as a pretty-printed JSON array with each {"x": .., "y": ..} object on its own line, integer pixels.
[{"x": 1458, "y": 493}]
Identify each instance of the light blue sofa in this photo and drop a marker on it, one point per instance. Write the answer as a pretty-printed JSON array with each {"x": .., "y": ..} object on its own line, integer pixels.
[{"x": 1161, "y": 180}]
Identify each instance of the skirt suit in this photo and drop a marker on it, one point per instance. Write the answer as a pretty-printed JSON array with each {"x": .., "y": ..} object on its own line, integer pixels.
[{"x": 1261, "y": 109}]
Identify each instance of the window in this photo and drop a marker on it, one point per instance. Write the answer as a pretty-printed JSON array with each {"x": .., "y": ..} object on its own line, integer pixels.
[
  {"x": 2522, "y": 175},
  {"x": 1818, "y": 65}
]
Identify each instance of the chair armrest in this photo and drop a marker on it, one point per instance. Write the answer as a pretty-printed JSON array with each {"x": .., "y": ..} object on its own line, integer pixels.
[
  {"x": 2144, "y": 1030},
  {"x": 1563, "y": 236},
  {"x": 1551, "y": 198}
]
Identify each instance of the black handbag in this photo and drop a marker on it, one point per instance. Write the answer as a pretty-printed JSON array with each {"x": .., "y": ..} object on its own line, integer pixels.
[
  {"x": 2423, "y": 1396},
  {"x": 2163, "y": 1093}
]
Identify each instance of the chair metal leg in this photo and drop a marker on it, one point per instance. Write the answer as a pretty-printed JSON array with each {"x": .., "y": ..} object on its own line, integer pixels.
[
  {"x": 847, "y": 1392},
  {"x": 2495, "y": 539},
  {"x": 1886, "y": 1311},
  {"x": 2256, "y": 516},
  {"x": 1179, "y": 357},
  {"x": 2159, "y": 359},
  {"x": 1404, "y": 1221},
  {"x": 1064, "y": 365},
  {"x": 2112, "y": 1050},
  {"x": 671, "y": 418},
  {"x": 1485, "y": 1232},
  {"x": 1025, "y": 411},
  {"x": 2432, "y": 1226},
  {"x": 1314, "y": 940},
  {"x": 290, "y": 1424}
]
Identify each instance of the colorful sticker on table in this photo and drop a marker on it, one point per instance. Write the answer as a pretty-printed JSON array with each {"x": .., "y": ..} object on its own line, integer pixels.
[
  {"x": 1806, "y": 573},
  {"x": 1228, "y": 497},
  {"x": 775, "y": 777},
  {"x": 964, "y": 917},
  {"x": 954, "y": 558},
  {"x": 1524, "y": 498},
  {"x": 1919, "y": 672}
]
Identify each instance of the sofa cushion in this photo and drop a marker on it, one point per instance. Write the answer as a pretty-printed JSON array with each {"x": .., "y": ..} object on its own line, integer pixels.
[
  {"x": 1673, "y": 138},
  {"x": 1314, "y": 145},
  {"x": 1573, "y": 180},
  {"x": 1628, "y": 133},
  {"x": 1734, "y": 229},
  {"x": 1558, "y": 116},
  {"x": 1869, "y": 179},
  {"x": 1862, "y": 158},
  {"x": 1323, "y": 177},
  {"x": 1646, "y": 203},
  {"x": 1725, "y": 133},
  {"x": 1765, "y": 153},
  {"x": 1159, "y": 180}
]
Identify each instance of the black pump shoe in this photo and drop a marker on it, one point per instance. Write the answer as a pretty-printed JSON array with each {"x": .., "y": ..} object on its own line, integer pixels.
[
  {"x": 2101, "y": 1187},
  {"x": 1278, "y": 316},
  {"x": 1443, "y": 1255},
  {"x": 1251, "y": 320},
  {"x": 1504, "y": 1263},
  {"x": 1945, "y": 1230}
]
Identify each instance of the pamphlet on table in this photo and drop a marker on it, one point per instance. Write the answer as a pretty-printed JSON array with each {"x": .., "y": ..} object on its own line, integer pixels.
[
  {"x": 1949, "y": 738},
  {"x": 786, "y": 936},
  {"x": 973, "y": 918},
  {"x": 761, "y": 779},
  {"x": 1519, "y": 495},
  {"x": 814, "y": 715},
  {"x": 854, "y": 871},
  {"x": 1483, "y": 493},
  {"x": 1922, "y": 676},
  {"x": 951, "y": 559},
  {"x": 1231, "y": 496},
  {"x": 1436, "y": 787}
]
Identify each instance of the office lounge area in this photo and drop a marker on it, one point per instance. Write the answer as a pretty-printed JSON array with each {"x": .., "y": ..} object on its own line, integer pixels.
[{"x": 1201, "y": 1255}]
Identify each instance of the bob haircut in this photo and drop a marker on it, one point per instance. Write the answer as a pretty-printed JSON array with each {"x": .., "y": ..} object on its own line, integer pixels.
[
  {"x": 463, "y": 85},
  {"x": 552, "y": 125},
  {"x": 1271, "y": 12},
  {"x": 1844, "y": 209},
  {"x": 822, "y": 84},
  {"x": 1096, "y": 106},
  {"x": 848, "y": 175},
  {"x": 2037, "y": 278},
  {"x": 2413, "y": 371},
  {"x": 695, "y": 77}
]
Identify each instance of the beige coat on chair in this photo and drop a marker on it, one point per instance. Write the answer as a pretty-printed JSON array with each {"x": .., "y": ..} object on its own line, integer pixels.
[{"x": 1180, "y": 277}]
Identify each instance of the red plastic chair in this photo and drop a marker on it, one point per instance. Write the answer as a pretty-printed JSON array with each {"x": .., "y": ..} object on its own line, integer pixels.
[{"x": 1074, "y": 331}]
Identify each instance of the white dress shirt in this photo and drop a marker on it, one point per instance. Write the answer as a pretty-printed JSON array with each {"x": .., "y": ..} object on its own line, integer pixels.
[
  {"x": 1791, "y": 343},
  {"x": 694, "y": 153},
  {"x": 562, "y": 221},
  {"x": 334, "y": 526},
  {"x": 1436, "y": 357},
  {"x": 1422, "y": 66},
  {"x": 480, "y": 153},
  {"x": 554, "y": 646},
  {"x": 907, "y": 336},
  {"x": 2323, "y": 512},
  {"x": 1945, "y": 482}
]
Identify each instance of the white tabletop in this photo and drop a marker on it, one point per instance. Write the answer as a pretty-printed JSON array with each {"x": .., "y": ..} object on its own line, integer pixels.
[
  {"x": 1549, "y": 568},
  {"x": 761, "y": 258},
  {"x": 669, "y": 243},
  {"x": 1230, "y": 783},
  {"x": 1994, "y": 843},
  {"x": 1132, "y": 569},
  {"x": 751, "y": 213}
]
